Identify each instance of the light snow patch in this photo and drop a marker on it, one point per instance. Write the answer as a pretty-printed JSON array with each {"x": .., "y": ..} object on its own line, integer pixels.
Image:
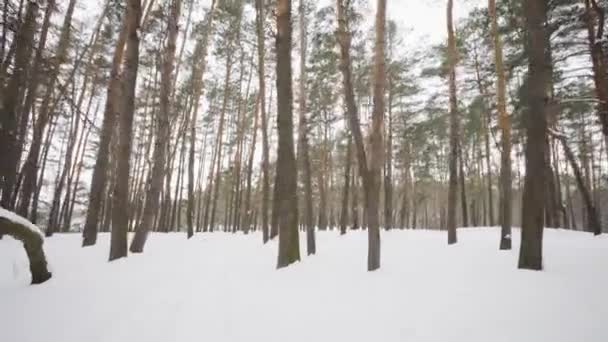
[{"x": 221, "y": 287}]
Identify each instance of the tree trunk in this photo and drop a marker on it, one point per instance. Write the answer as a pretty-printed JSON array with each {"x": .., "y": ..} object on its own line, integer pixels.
[
  {"x": 303, "y": 149},
  {"x": 505, "y": 125},
  {"x": 346, "y": 188},
  {"x": 593, "y": 217},
  {"x": 463, "y": 194},
  {"x": 99, "y": 178},
  {"x": 10, "y": 102},
  {"x": 454, "y": 129},
  {"x": 32, "y": 242},
  {"x": 260, "y": 20},
  {"x": 533, "y": 205},
  {"x": 286, "y": 175},
  {"x": 368, "y": 171},
  {"x": 120, "y": 198}
]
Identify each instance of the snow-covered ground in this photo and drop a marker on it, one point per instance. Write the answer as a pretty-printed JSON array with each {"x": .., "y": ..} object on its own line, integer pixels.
[{"x": 222, "y": 287}]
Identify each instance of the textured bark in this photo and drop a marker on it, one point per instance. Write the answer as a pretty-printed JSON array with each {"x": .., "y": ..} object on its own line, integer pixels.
[
  {"x": 303, "y": 149},
  {"x": 369, "y": 170},
  {"x": 454, "y": 129},
  {"x": 260, "y": 19},
  {"x": 120, "y": 198},
  {"x": 286, "y": 174},
  {"x": 533, "y": 206},
  {"x": 10, "y": 101},
  {"x": 99, "y": 180},
  {"x": 33, "y": 244},
  {"x": 162, "y": 133}
]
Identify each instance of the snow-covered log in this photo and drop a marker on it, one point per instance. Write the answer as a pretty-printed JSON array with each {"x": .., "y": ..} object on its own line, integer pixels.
[{"x": 25, "y": 231}]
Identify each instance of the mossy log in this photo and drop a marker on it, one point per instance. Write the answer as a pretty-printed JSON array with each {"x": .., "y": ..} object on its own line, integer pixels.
[{"x": 32, "y": 242}]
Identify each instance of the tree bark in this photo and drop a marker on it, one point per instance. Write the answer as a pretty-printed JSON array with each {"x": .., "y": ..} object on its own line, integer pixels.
[
  {"x": 286, "y": 174},
  {"x": 99, "y": 178},
  {"x": 162, "y": 133},
  {"x": 533, "y": 205},
  {"x": 505, "y": 125},
  {"x": 369, "y": 170},
  {"x": 303, "y": 148},
  {"x": 120, "y": 198},
  {"x": 10, "y": 102},
  {"x": 454, "y": 129}
]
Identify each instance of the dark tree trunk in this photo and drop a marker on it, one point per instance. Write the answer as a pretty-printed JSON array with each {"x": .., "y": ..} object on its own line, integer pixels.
[
  {"x": 454, "y": 130},
  {"x": 11, "y": 96},
  {"x": 533, "y": 205},
  {"x": 120, "y": 198},
  {"x": 99, "y": 178},
  {"x": 286, "y": 176}
]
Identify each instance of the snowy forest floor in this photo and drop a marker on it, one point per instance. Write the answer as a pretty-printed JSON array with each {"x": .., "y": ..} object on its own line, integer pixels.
[{"x": 223, "y": 287}]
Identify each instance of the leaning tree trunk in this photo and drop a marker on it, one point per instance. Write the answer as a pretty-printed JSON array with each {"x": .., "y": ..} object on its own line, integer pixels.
[
  {"x": 454, "y": 128},
  {"x": 593, "y": 217},
  {"x": 533, "y": 205},
  {"x": 22, "y": 230},
  {"x": 162, "y": 134},
  {"x": 368, "y": 171},
  {"x": 286, "y": 175},
  {"x": 120, "y": 198},
  {"x": 99, "y": 180}
]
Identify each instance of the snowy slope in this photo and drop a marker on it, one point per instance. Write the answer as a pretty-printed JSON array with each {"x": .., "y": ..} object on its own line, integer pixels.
[{"x": 219, "y": 287}]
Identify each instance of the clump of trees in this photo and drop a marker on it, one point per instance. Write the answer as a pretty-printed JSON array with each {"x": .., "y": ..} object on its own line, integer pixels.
[{"x": 145, "y": 116}]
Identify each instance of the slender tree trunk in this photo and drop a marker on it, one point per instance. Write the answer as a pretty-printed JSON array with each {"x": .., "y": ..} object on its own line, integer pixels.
[
  {"x": 162, "y": 133},
  {"x": 463, "y": 194},
  {"x": 369, "y": 170},
  {"x": 454, "y": 129},
  {"x": 346, "y": 188},
  {"x": 120, "y": 198},
  {"x": 303, "y": 148},
  {"x": 505, "y": 125},
  {"x": 286, "y": 174},
  {"x": 260, "y": 20},
  {"x": 99, "y": 178},
  {"x": 530, "y": 252},
  {"x": 592, "y": 214}
]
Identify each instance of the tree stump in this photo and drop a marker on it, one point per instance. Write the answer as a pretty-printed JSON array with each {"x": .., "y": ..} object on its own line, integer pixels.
[{"x": 32, "y": 242}]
